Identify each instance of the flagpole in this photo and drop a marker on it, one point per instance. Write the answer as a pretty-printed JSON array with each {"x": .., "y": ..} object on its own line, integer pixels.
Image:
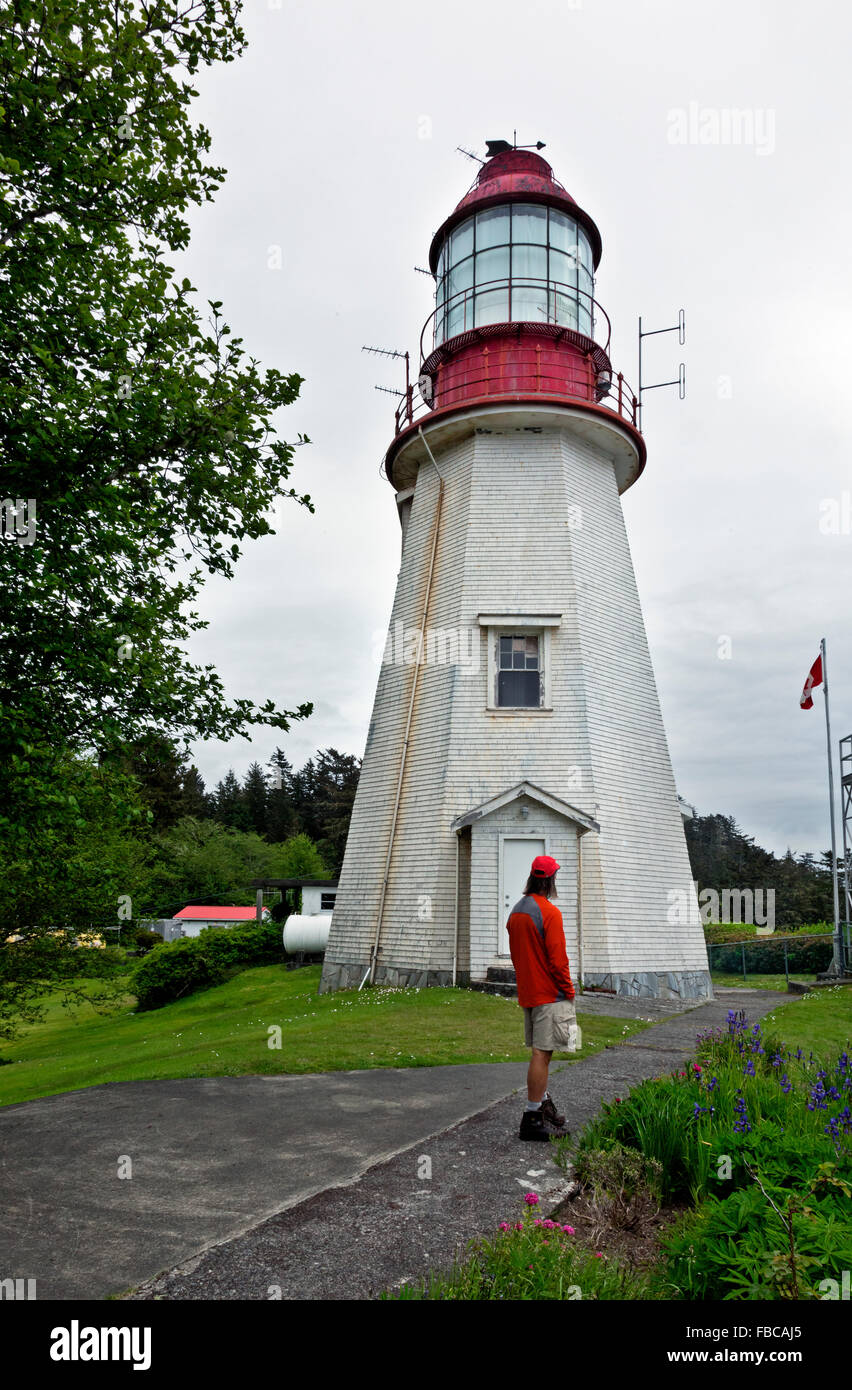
[{"x": 838, "y": 940}]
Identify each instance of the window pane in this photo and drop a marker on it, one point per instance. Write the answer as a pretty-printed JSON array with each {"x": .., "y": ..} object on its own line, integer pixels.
[
  {"x": 492, "y": 265},
  {"x": 529, "y": 261},
  {"x": 586, "y": 305},
  {"x": 518, "y": 688},
  {"x": 563, "y": 231},
  {"x": 529, "y": 223},
  {"x": 462, "y": 243},
  {"x": 562, "y": 309},
  {"x": 457, "y": 319},
  {"x": 505, "y": 651},
  {"x": 563, "y": 270},
  {"x": 529, "y": 302},
  {"x": 492, "y": 306},
  {"x": 461, "y": 276},
  {"x": 532, "y": 647},
  {"x": 585, "y": 250},
  {"x": 492, "y": 228}
]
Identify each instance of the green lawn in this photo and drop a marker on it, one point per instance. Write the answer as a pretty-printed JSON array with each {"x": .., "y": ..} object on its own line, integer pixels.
[
  {"x": 759, "y": 981},
  {"x": 821, "y": 1021},
  {"x": 224, "y": 1032}
]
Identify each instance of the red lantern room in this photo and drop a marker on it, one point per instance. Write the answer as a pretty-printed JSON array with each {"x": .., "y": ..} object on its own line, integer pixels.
[{"x": 515, "y": 316}]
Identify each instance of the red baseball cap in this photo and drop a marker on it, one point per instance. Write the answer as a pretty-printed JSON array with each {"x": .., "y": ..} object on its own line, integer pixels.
[{"x": 544, "y": 865}]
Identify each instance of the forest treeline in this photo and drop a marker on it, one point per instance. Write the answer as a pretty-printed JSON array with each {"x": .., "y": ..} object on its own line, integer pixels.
[
  {"x": 276, "y": 802},
  {"x": 722, "y": 857}
]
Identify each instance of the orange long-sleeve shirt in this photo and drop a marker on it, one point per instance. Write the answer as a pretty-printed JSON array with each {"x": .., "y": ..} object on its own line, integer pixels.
[{"x": 537, "y": 946}]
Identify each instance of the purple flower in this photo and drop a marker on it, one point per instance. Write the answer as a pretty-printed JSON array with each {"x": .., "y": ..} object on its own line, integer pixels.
[
  {"x": 741, "y": 1125},
  {"x": 817, "y": 1100}
]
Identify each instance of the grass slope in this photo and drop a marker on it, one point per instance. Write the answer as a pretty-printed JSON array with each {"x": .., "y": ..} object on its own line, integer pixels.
[{"x": 224, "y": 1032}]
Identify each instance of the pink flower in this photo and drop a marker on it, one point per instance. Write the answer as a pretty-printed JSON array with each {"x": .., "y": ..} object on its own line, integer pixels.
[
  {"x": 695, "y": 1066},
  {"x": 570, "y": 1230},
  {"x": 519, "y": 1225},
  {"x": 551, "y": 1225},
  {"x": 598, "y": 1254},
  {"x": 538, "y": 1221},
  {"x": 532, "y": 1199},
  {"x": 618, "y": 1100},
  {"x": 504, "y": 1226}
]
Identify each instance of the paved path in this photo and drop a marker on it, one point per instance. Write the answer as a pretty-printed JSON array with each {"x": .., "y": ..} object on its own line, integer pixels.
[{"x": 307, "y": 1184}]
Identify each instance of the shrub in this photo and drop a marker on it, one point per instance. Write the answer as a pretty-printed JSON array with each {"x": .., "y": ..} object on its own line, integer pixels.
[
  {"x": 718, "y": 932},
  {"x": 806, "y": 954},
  {"x": 171, "y": 971},
  {"x": 144, "y": 940},
  {"x": 623, "y": 1184}
]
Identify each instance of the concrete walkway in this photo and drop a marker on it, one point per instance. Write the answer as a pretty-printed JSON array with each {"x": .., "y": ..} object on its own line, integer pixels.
[{"x": 294, "y": 1186}]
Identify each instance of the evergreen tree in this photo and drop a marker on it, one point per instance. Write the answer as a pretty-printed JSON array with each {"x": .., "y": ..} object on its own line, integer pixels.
[
  {"x": 255, "y": 798},
  {"x": 336, "y": 783},
  {"x": 194, "y": 800},
  {"x": 230, "y": 802},
  {"x": 305, "y": 797},
  {"x": 281, "y": 819}
]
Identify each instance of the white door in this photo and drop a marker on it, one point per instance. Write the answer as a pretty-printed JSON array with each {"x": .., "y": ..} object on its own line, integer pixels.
[{"x": 518, "y": 855}]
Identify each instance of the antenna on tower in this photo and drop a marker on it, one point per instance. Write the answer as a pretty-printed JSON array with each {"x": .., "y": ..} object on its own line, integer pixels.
[
  {"x": 421, "y": 271},
  {"x": 391, "y": 352},
  {"x": 680, "y": 380},
  {"x": 470, "y": 154}
]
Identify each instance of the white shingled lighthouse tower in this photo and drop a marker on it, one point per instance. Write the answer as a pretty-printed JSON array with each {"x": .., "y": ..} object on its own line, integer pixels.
[{"x": 516, "y": 712}]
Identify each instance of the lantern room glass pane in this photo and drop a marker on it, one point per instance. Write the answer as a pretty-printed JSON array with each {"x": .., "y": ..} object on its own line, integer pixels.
[
  {"x": 492, "y": 306},
  {"x": 563, "y": 231},
  {"x": 492, "y": 228},
  {"x": 563, "y": 270},
  {"x": 461, "y": 277},
  {"x": 585, "y": 247},
  {"x": 459, "y": 316},
  {"x": 562, "y": 309},
  {"x": 529, "y": 302},
  {"x": 462, "y": 243},
  {"x": 492, "y": 265},
  {"x": 529, "y": 262},
  {"x": 529, "y": 223}
]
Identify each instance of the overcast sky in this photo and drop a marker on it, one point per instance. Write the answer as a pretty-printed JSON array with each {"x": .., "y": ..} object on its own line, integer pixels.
[{"x": 339, "y": 128}]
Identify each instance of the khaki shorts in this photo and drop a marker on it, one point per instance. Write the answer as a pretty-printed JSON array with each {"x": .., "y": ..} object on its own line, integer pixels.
[{"x": 552, "y": 1027}]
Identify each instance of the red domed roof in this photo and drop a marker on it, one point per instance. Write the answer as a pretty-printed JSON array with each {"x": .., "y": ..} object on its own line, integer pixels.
[{"x": 515, "y": 176}]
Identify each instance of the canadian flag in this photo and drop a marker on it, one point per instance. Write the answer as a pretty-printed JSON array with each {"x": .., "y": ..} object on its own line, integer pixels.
[{"x": 814, "y": 679}]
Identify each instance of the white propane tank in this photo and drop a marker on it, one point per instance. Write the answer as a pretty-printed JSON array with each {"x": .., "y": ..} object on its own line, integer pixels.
[{"x": 304, "y": 933}]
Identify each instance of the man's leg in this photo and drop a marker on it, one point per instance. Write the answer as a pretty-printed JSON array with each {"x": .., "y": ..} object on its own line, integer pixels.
[{"x": 537, "y": 1074}]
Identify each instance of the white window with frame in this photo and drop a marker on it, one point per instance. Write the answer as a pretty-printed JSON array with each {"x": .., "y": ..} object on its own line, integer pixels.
[{"x": 519, "y": 662}]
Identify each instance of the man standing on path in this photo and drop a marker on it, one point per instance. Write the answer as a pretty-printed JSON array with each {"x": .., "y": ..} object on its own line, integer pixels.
[{"x": 545, "y": 991}]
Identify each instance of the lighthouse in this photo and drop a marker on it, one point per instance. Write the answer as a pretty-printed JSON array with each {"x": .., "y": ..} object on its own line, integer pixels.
[{"x": 516, "y": 711}]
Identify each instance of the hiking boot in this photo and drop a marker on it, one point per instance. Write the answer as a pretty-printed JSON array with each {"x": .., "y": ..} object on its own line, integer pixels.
[
  {"x": 548, "y": 1110},
  {"x": 535, "y": 1126}
]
